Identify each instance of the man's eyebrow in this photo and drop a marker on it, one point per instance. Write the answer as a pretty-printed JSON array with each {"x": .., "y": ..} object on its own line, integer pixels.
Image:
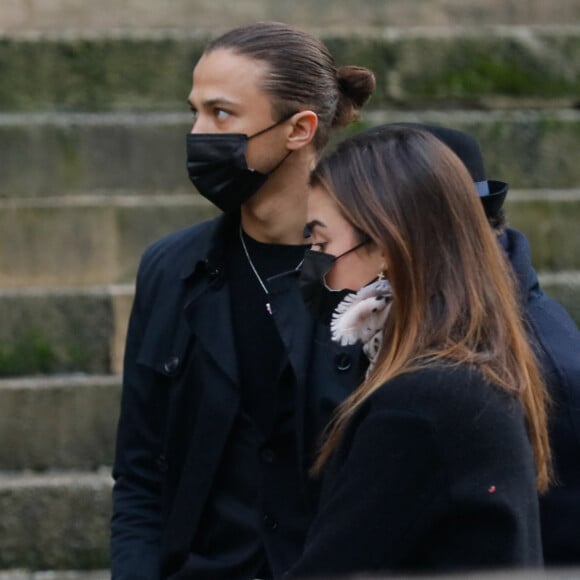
[
  {"x": 311, "y": 225},
  {"x": 213, "y": 102}
]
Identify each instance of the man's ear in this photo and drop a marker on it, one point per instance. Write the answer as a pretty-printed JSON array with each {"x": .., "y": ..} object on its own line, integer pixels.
[{"x": 303, "y": 129}]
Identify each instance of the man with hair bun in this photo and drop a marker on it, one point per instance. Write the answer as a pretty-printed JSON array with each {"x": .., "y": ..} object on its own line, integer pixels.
[{"x": 228, "y": 381}]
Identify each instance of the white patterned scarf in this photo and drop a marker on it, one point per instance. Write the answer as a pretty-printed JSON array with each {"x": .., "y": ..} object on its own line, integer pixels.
[{"x": 361, "y": 317}]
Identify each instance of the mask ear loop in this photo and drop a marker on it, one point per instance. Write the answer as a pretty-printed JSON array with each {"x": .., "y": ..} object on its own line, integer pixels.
[
  {"x": 282, "y": 120},
  {"x": 279, "y": 163},
  {"x": 363, "y": 243}
]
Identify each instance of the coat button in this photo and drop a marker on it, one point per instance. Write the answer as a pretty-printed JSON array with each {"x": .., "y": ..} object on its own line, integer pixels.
[
  {"x": 270, "y": 522},
  {"x": 216, "y": 278},
  {"x": 171, "y": 365},
  {"x": 267, "y": 455},
  {"x": 343, "y": 362},
  {"x": 162, "y": 463}
]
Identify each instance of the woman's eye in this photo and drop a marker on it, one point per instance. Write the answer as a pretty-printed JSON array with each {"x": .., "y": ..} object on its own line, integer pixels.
[
  {"x": 318, "y": 247},
  {"x": 221, "y": 115}
]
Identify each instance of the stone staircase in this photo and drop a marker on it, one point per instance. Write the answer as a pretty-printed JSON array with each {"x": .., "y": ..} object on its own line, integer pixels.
[{"x": 92, "y": 133}]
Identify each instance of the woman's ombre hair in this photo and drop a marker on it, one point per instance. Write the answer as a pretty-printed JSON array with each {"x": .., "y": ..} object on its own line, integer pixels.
[{"x": 454, "y": 296}]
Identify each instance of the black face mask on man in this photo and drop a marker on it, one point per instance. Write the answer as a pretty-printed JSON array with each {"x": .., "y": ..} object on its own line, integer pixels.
[
  {"x": 216, "y": 165},
  {"x": 321, "y": 300}
]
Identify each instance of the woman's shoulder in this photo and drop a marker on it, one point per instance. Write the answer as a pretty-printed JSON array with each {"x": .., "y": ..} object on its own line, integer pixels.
[
  {"x": 472, "y": 421},
  {"x": 447, "y": 394},
  {"x": 462, "y": 380}
]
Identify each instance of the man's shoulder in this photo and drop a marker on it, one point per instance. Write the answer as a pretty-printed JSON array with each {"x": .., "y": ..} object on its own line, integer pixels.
[
  {"x": 557, "y": 336},
  {"x": 552, "y": 318},
  {"x": 554, "y": 332},
  {"x": 179, "y": 249}
]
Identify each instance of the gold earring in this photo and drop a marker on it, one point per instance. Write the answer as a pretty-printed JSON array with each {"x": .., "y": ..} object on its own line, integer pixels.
[{"x": 381, "y": 275}]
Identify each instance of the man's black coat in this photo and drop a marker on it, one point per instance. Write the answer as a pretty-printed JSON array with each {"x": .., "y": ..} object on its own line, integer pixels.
[{"x": 181, "y": 396}]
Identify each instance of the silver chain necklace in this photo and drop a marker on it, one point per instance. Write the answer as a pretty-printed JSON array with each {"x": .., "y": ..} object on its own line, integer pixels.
[{"x": 258, "y": 277}]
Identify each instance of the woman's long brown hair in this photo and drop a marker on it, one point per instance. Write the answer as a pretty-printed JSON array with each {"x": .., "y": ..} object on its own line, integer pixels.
[{"x": 454, "y": 296}]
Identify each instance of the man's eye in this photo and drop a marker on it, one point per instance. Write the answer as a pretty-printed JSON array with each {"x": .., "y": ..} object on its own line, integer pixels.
[
  {"x": 194, "y": 113},
  {"x": 221, "y": 115}
]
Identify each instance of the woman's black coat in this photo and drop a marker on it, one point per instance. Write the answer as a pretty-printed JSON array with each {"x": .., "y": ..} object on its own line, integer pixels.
[{"x": 435, "y": 473}]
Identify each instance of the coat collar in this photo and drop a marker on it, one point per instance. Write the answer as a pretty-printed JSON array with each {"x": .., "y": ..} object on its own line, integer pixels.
[
  {"x": 210, "y": 322},
  {"x": 517, "y": 248},
  {"x": 209, "y": 250},
  {"x": 204, "y": 274},
  {"x": 294, "y": 325}
]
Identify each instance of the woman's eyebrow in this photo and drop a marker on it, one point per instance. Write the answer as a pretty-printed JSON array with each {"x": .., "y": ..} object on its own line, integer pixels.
[{"x": 311, "y": 225}]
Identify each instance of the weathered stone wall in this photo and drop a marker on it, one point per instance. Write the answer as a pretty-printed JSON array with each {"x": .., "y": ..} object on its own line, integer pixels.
[
  {"x": 58, "y": 15},
  {"x": 92, "y": 128},
  {"x": 449, "y": 68}
]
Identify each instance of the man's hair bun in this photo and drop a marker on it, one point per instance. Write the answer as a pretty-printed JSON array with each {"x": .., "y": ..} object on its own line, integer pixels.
[{"x": 356, "y": 84}]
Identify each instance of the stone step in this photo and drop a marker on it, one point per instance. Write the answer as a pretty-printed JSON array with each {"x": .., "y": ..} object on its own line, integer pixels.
[
  {"x": 549, "y": 219},
  {"x": 60, "y": 521},
  {"x": 87, "y": 240},
  {"x": 550, "y": 574},
  {"x": 478, "y": 66},
  {"x": 59, "y": 154},
  {"x": 19, "y": 574},
  {"x": 58, "y": 422},
  {"x": 63, "y": 330},
  {"x": 92, "y": 240},
  {"x": 83, "y": 330},
  {"x": 55, "y": 520},
  {"x": 62, "y": 15},
  {"x": 554, "y": 574}
]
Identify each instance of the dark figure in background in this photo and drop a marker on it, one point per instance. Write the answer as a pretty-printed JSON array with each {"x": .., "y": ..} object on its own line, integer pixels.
[
  {"x": 228, "y": 381},
  {"x": 556, "y": 342}
]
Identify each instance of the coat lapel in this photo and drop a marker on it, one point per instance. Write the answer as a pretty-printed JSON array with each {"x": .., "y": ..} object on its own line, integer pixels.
[
  {"x": 208, "y": 314},
  {"x": 296, "y": 330}
]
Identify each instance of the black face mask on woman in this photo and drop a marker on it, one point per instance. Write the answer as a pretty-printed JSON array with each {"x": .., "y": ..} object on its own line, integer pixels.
[
  {"x": 216, "y": 165},
  {"x": 321, "y": 300}
]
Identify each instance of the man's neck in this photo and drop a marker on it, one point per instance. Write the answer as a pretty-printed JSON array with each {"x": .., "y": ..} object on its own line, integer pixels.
[{"x": 276, "y": 214}]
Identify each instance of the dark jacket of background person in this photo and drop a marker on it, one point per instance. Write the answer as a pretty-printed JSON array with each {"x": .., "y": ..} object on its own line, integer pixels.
[
  {"x": 181, "y": 396},
  {"x": 557, "y": 342},
  {"x": 435, "y": 473}
]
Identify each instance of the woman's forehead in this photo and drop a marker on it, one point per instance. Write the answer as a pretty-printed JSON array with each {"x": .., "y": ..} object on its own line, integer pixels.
[{"x": 322, "y": 210}]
